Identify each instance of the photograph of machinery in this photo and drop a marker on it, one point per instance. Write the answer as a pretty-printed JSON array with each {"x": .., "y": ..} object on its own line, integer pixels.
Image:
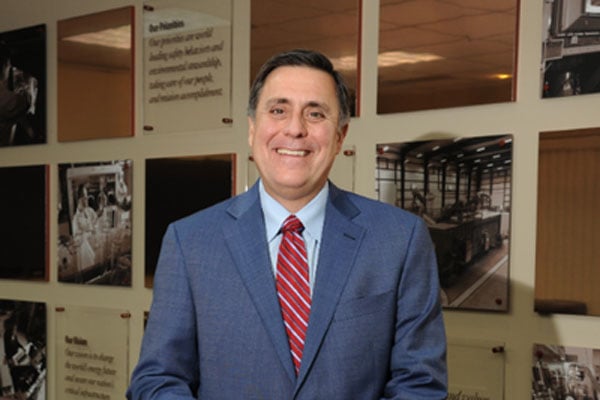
[
  {"x": 94, "y": 223},
  {"x": 565, "y": 373},
  {"x": 23, "y": 337},
  {"x": 461, "y": 187},
  {"x": 570, "y": 47}
]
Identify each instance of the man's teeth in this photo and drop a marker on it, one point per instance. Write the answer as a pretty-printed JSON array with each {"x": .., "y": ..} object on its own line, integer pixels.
[{"x": 289, "y": 152}]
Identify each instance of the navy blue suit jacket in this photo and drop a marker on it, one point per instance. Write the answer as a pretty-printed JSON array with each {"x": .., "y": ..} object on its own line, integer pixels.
[{"x": 215, "y": 329}]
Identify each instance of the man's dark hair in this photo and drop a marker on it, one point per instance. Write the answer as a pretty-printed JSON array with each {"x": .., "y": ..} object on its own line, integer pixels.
[{"x": 301, "y": 58}]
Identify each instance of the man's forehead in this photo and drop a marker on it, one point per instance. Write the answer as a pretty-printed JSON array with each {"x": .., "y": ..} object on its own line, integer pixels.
[{"x": 284, "y": 85}]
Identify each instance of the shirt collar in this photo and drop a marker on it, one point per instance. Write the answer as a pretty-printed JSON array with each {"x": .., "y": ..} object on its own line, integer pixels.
[{"x": 311, "y": 215}]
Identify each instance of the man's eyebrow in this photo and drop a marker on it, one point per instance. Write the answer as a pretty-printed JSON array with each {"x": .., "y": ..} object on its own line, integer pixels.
[
  {"x": 277, "y": 100},
  {"x": 284, "y": 100},
  {"x": 318, "y": 104}
]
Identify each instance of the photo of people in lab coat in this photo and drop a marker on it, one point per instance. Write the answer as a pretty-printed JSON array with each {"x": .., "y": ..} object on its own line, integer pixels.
[{"x": 95, "y": 223}]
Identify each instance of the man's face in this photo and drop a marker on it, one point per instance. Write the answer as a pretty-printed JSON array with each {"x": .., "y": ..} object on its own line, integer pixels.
[{"x": 294, "y": 135}]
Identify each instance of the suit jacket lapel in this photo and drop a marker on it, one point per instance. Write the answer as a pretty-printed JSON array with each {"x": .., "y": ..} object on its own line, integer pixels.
[
  {"x": 341, "y": 240},
  {"x": 245, "y": 237}
]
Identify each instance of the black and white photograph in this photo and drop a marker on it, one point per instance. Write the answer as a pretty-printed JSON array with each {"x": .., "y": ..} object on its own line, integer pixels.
[
  {"x": 180, "y": 186},
  {"x": 23, "y": 86},
  {"x": 24, "y": 223},
  {"x": 570, "y": 48},
  {"x": 94, "y": 223},
  {"x": 565, "y": 373},
  {"x": 23, "y": 340},
  {"x": 461, "y": 187}
]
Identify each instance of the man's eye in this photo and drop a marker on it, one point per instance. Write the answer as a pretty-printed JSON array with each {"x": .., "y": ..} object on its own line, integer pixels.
[
  {"x": 315, "y": 115},
  {"x": 277, "y": 111}
]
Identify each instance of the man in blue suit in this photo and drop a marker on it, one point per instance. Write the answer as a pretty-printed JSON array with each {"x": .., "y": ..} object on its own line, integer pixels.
[{"x": 375, "y": 327}]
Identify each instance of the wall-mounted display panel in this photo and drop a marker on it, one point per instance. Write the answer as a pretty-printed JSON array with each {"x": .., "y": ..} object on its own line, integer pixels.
[
  {"x": 92, "y": 347},
  {"x": 475, "y": 369},
  {"x": 570, "y": 48},
  {"x": 23, "y": 350},
  {"x": 568, "y": 238},
  {"x": 331, "y": 27},
  {"x": 94, "y": 223},
  {"x": 461, "y": 187},
  {"x": 180, "y": 186},
  {"x": 23, "y": 229},
  {"x": 436, "y": 54},
  {"x": 23, "y": 86},
  {"x": 95, "y": 75},
  {"x": 565, "y": 372},
  {"x": 187, "y": 65}
]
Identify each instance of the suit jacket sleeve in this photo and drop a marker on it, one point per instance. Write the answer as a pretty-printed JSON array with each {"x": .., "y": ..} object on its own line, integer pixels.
[
  {"x": 168, "y": 363},
  {"x": 418, "y": 359}
]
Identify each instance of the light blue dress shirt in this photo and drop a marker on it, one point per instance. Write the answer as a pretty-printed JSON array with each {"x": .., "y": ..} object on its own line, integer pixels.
[{"x": 312, "y": 217}]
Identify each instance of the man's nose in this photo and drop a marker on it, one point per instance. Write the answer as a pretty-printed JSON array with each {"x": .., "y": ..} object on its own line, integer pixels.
[{"x": 296, "y": 126}]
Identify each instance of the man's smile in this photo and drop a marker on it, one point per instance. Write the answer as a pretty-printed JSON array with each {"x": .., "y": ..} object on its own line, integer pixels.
[{"x": 290, "y": 152}]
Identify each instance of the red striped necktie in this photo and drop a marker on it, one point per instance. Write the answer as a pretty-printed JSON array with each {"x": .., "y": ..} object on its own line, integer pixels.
[{"x": 293, "y": 288}]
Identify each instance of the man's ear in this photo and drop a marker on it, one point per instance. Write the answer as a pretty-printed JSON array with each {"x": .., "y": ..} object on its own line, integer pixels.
[
  {"x": 251, "y": 131},
  {"x": 342, "y": 133}
]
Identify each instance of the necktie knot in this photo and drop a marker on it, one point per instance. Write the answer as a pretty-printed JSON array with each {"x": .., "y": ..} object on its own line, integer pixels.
[{"x": 292, "y": 224}]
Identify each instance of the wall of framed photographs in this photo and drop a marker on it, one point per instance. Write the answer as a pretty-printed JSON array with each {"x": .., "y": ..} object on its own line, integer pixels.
[{"x": 111, "y": 174}]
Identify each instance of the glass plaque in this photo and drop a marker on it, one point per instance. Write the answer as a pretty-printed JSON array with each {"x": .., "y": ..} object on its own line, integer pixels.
[
  {"x": 187, "y": 65},
  {"x": 475, "y": 369},
  {"x": 92, "y": 347}
]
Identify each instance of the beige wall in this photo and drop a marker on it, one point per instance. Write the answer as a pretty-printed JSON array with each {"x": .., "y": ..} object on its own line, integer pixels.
[{"x": 525, "y": 118}]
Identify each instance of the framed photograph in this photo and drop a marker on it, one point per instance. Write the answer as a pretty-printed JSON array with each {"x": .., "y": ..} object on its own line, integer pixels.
[
  {"x": 567, "y": 251},
  {"x": 95, "y": 76},
  {"x": 570, "y": 48},
  {"x": 94, "y": 223},
  {"x": 23, "y": 230},
  {"x": 179, "y": 186},
  {"x": 565, "y": 372},
  {"x": 23, "y": 348},
  {"x": 23, "y": 86},
  {"x": 461, "y": 188},
  {"x": 441, "y": 54}
]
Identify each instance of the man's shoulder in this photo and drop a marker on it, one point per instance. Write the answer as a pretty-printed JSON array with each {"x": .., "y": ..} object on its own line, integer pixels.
[
  {"x": 369, "y": 207},
  {"x": 215, "y": 213},
  {"x": 374, "y": 213}
]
